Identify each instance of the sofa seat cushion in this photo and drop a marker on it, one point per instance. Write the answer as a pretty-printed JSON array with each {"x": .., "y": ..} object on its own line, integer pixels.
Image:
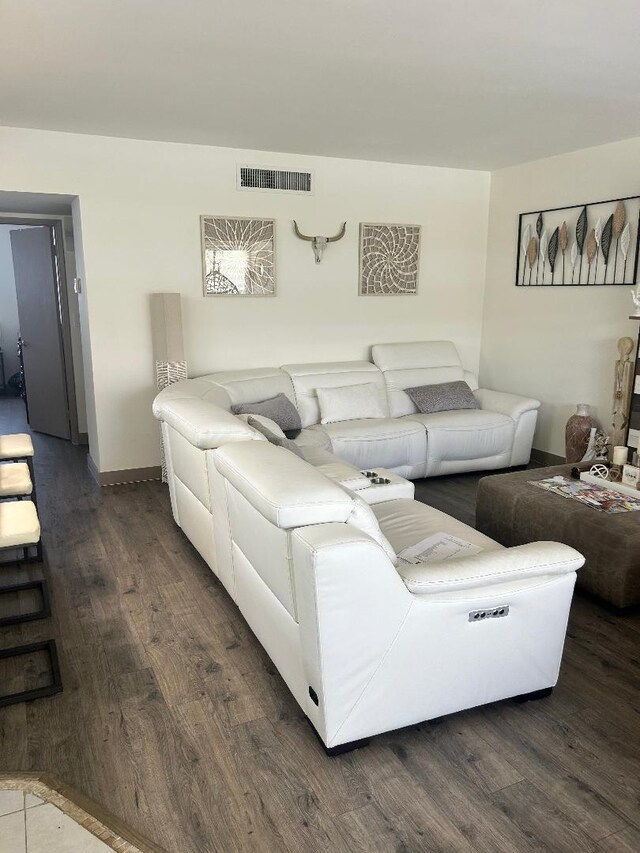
[
  {"x": 466, "y": 434},
  {"x": 386, "y": 442},
  {"x": 407, "y": 522}
]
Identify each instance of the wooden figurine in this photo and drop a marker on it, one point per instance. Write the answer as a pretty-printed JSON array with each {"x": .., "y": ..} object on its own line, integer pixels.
[{"x": 622, "y": 391}]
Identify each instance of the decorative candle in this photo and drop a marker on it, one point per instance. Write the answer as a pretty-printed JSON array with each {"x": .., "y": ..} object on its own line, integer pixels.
[{"x": 620, "y": 455}]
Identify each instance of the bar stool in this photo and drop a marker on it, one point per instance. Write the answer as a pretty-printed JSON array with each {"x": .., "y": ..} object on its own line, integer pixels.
[
  {"x": 15, "y": 480},
  {"x": 20, "y": 529},
  {"x": 18, "y": 447}
]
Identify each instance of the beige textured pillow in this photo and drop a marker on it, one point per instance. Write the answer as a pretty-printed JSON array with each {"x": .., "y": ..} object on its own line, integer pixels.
[
  {"x": 352, "y": 402},
  {"x": 256, "y": 422},
  {"x": 265, "y": 422}
]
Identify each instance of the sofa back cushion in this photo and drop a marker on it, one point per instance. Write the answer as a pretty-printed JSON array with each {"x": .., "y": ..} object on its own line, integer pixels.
[
  {"x": 407, "y": 365},
  {"x": 307, "y": 378},
  {"x": 267, "y": 494},
  {"x": 253, "y": 385},
  {"x": 203, "y": 388},
  {"x": 286, "y": 490}
]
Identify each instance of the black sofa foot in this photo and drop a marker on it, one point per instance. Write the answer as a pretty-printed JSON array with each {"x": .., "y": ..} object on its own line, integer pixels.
[
  {"x": 537, "y": 694},
  {"x": 332, "y": 751}
]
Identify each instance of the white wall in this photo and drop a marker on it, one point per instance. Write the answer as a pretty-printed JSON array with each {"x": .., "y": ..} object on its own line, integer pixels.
[
  {"x": 9, "y": 324},
  {"x": 556, "y": 344},
  {"x": 139, "y": 206}
]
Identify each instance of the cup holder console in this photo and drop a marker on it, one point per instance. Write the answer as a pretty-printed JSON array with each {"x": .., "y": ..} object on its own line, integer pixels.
[
  {"x": 380, "y": 481},
  {"x": 375, "y": 479}
]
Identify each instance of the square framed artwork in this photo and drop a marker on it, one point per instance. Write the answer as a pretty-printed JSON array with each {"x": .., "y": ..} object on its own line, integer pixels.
[
  {"x": 238, "y": 256},
  {"x": 389, "y": 259},
  {"x": 581, "y": 245}
]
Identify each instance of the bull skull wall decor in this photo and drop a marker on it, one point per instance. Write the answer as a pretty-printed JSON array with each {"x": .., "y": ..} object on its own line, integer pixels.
[{"x": 318, "y": 244}]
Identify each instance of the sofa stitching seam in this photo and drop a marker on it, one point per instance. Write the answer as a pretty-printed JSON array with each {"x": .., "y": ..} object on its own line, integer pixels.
[
  {"x": 374, "y": 673},
  {"x": 488, "y": 575}
]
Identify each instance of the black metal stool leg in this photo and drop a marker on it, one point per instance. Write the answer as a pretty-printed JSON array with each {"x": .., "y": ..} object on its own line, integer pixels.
[
  {"x": 43, "y": 613},
  {"x": 29, "y": 461},
  {"x": 55, "y": 686}
]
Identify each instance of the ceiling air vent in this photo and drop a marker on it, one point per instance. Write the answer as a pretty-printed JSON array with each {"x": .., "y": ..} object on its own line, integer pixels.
[{"x": 280, "y": 180}]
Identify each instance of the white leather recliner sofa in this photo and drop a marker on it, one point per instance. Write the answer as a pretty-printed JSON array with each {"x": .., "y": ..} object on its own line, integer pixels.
[
  {"x": 307, "y": 548},
  {"x": 499, "y": 434}
]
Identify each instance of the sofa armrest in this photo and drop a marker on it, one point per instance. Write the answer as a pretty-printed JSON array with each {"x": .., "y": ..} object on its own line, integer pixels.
[
  {"x": 471, "y": 379},
  {"x": 507, "y": 404},
  {"x": 203, "y": 424},
  {"x": 492, "y": 567}
]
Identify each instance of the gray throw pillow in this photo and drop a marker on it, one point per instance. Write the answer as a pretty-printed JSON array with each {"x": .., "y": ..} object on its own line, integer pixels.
[
  {"x": 444, "y": 397},
  {"x": 279, "y": 408},
  {"x": 273, "y": 438}
]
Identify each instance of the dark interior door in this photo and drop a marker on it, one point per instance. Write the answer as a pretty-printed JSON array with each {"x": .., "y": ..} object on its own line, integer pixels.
[{"x": 40, "y": 329}]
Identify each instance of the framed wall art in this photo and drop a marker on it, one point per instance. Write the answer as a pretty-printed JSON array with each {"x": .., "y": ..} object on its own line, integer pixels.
[
  {"x": 238, "y": 256},
  {"x": 389, "y": 259},
  {"x": 581, "y": 245}
]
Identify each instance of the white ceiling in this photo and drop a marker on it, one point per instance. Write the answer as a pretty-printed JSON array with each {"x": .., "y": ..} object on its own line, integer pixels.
[{"x": 470, "y": 83}]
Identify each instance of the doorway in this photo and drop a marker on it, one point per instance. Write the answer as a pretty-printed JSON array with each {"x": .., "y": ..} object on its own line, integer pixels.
[{"x": 36, "y": 341}]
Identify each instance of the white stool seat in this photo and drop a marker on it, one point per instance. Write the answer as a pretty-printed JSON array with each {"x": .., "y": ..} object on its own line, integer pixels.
[
  {"x": 15, "y": 480},
  {"x": 16, "y": 446},
  {"x": 19, "y": 525}
]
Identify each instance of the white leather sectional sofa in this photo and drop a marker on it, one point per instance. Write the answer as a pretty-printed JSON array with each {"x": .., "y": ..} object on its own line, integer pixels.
[{"x": 307, "y": 547}]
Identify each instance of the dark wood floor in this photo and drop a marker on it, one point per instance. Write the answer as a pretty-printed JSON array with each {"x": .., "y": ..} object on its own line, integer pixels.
[{"x": 174, "y": 718}]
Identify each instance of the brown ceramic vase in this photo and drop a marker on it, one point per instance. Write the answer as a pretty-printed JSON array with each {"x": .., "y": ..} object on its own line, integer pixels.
[{"x": 577, "y": 433}]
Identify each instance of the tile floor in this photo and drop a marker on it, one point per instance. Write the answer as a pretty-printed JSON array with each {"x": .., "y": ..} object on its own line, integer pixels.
[{"x": 29, "y": 825}]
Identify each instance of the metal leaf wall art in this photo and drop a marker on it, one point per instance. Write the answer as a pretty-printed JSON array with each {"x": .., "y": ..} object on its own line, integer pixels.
[
  {"x": 585, "y": 244},
  {"x": 553, "y": 251},
  {"x": 532, "y": 255},
  {"x": 592, "y": 249},
  {"x": 625, "y": 242},
  {"x": 581, "y": 234},
  {"x": 543, "y": 250},
  {"x": 597, "y": 233},
  {"x": 619, "y": 220},
  {"x": 564, "y": 242},
  {"x": 574, "y": 258},
  {"x": 524, "y": 245},
  {"x": 605, "y": 243}
]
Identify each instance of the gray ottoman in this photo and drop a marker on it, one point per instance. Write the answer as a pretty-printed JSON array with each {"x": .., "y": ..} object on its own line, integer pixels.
[{"x": 513, "y": 512}]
